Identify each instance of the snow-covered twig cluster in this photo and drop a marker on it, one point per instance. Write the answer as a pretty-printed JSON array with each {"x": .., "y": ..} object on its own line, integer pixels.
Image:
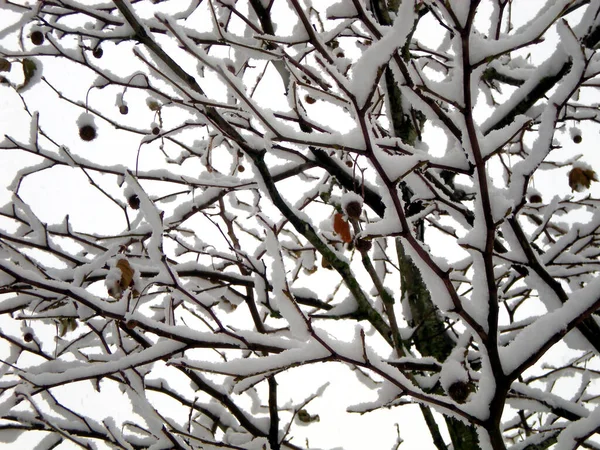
[{"x": 291, "y": 187}]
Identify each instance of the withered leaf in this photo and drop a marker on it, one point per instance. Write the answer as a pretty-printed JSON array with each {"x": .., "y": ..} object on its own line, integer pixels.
[
  {"x": 341, "y": 227},
  {"x": 305, "y": 417},
  {"x": 29, "y": 70},
  {"x": 5, "y": 65},
  {"x": 580, "y": 178},
  {"x": 126, "y": 273},
  {"x": 66, "y": 324}
]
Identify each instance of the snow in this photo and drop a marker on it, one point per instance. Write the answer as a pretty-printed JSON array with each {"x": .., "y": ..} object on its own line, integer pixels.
[
  {"x": 154, "y": 218},
  {"x": 533, "y": 339},
  {"x": 570, "y": 436},
  {"x": 437, "y": 289},
  {"x": 483, "y": 48},
  {"x": 309, "y": 352},
  {"x": 284, "y": 261},
  {"x": 341, "y": 9},
  {"x": 365, "y": 70},
  {"x": 283, "y": 298},
  {"x": 70, "y": 372}
]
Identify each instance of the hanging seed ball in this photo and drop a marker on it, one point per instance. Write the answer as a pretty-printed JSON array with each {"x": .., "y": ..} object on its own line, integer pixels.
[
  {"x": 134, "y": 202},
  {"x": 241, "y": 168},
  {"x": 87, "y": 133},
  {"x": 310, "y": 100},
  {"x": 349, "y": 163},
  {"x": 131, "y": 324},
  {"x": 37, "y": 37},
  {"x": 155, "y": 131},
  {"x": 123, "y": 109},
  {"x": 362, "y": 245},
  {"x": 577, "y": 138},
  {"x": 353, "y": 209},
  {"x": 98, "y": 52},
  {"x": 459, "y": 391},
  {"x": 535, "y": 198},
  {"x": 28, "y": 337}
]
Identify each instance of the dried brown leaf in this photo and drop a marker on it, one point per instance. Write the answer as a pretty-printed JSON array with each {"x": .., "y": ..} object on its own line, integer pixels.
[{"x": 341, "y": 227}]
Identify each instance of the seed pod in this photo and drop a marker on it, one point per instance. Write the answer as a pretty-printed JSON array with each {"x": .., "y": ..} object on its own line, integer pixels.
[
  {"x": 153, "y": 105},
  {"x": 459, "y": 391},
  {"x": 28, "y": 336},
  {"x": 308, "y": 99},
  {"x": 535, "y": 198},
  {"x": 134, "y": 202},
  {"x": 98, "y": 52},
  {"x": 87, "y": 133},
  {"x": 575, "y": 133},
  {"x": 37, "y": 37},
  {"x": 353, "y": 209},
  {"x": 362, "y": 245},
  {"x": 131, "y": 324},
  {"x": 123, "y": 109},
  {"x": 155, "y": 131}
]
